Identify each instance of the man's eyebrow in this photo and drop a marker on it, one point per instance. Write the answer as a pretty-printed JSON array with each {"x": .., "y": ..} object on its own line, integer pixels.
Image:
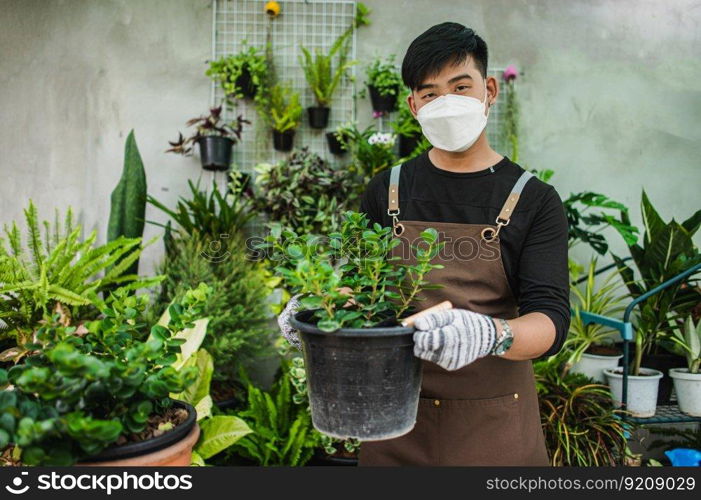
[{"x": 452, "y": 80}]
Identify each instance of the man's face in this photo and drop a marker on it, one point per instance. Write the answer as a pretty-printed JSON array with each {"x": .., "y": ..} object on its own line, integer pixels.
[{"x": 463, "y": 79}]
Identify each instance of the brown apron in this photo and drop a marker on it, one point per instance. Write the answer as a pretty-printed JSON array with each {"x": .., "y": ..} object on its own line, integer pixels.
[{"x": 487, "y": 412}]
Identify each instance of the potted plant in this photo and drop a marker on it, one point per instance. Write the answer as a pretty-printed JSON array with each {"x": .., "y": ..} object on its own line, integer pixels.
[
  {"x": 98, "y": 392},
  {"x": 214, "y": 138},
  {"x": 346, "y": 341},
  {"x": 338, "y": 138},
  {"x": 406, "y": 128},
  {"x": 323, "y": 73},
  {"x": 241, "y": 75},
  {"x": 284, "y": 116},
  {"x": 384, "y": 83},
  {"x": 667, "y": 251},
  {"x": 591, "y": 346},
  {"x": 687, "y": 381}
]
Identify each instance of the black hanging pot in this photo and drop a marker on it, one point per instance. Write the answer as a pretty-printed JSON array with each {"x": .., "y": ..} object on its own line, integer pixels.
[
  {"x": 335, "y": 145},
  {"x": 383, "y": 103},
  {"x": 215, "y": 152},
  {"x": 363, "y": 383},
  {"x": 407, "y": 144},
  {"x": 282, "y": 141},
  {"x": 318, "y": 116},
  {"x": 245, "y": 83}
]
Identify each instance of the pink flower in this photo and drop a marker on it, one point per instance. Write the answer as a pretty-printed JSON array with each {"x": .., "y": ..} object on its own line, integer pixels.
[
  {"x": 377, "y": 114},
  {"x": 510, "y": 73}
]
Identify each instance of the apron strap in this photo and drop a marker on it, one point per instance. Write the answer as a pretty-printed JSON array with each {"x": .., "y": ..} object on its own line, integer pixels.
[
  {"x": 511, "y": 201},
  {"x": 393, "y": 193}
]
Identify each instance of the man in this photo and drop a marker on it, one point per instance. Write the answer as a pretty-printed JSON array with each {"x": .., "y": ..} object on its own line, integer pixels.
[{"x": 505, "y": 267}]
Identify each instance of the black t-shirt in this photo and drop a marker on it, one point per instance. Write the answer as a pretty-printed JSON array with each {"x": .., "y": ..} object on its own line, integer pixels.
[{"x": 534, "y": 244}]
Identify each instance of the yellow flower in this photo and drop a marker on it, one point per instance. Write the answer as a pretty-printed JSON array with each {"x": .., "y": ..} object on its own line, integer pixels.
[{"x": 272, "y": 9}]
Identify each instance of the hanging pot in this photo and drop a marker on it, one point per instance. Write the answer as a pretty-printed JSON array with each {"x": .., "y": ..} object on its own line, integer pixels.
[
  {"x": 335, "y": 145},
  {"x": 282, "y": 141},
  {"x": 245, "y": 83},
  {"x": 383, "y": 103},
  {"x": 407, "y": 144},
  {"x": 215, "y": 152},
  {"x": 362, "y": 383},
  {"x": 173, "y": 448},
  {"x": 318, "y": 116}
]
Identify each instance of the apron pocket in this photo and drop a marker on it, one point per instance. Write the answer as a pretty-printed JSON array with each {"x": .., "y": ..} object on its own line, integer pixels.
[{"x": 481, "y": 431}]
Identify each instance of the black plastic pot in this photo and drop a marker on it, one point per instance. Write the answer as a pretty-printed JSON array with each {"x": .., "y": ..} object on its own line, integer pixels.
[
  {"x": 282, "y": 141},
  {"x": 335, "y": 145},
  {"x": 382, "y": 103},
  {"x": 318, "y": 116},
  {"x": 215, "y": 152},
  {"x": 362, "y": 383},
  {"x": 407, "y": 144},
  {"x": 245, "y": 83},
  {"x": 153, "y": 444}
]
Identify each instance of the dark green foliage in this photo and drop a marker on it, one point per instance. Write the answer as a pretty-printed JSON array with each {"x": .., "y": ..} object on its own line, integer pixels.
[
  {"x": 82, "y": 388},
  {"x": 381, "y": 285},
  {"x": 304, "y": 193},
  {"x": 667, "y": 250},
  {"x": 384, "y": 76},
  {"x": 581, "y": 426},
  {"x": 129, "y": 200},
  {"x": 237, "y": 307},
  {"x": 282, "y": 430}
]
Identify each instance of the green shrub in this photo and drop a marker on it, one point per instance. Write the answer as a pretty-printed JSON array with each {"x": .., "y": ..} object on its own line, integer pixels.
[{"x": 82, "y": 389}]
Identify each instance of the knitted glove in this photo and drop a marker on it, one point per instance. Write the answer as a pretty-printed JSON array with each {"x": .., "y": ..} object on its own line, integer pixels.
[
  {"x": 284, "y": 321},
  {"x": 453, "y": 338}
]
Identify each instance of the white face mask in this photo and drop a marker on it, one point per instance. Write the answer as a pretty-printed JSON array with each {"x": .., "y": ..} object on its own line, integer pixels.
[{"x": 453, "y": 122}]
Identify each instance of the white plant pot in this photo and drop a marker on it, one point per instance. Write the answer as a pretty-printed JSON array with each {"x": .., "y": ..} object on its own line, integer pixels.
[
  {"x": 593, "y": 366},
  {"x": 642, "y": 390},
  {"x": 688, "y": 388}
]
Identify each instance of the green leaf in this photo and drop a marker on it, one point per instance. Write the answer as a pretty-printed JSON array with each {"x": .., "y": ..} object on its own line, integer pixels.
[{"x": 218, "y": 433}]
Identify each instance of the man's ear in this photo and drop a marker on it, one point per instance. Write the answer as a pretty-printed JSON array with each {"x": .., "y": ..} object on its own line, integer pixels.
[
  {"x": 411, "y": 103},
  {"x": 492, "y": 90}
]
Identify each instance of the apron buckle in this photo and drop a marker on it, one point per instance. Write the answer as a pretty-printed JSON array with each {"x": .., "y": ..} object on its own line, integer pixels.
[
  {"x": 397, "y": 227},
  {"x": 490, "y": 234}
]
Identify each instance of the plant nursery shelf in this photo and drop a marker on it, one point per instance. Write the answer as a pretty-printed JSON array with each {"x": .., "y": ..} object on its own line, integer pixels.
[{"x": 665, "y": 414}]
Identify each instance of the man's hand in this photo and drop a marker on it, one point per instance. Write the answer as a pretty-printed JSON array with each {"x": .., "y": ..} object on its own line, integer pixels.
[{"x": 454, "y": 338}]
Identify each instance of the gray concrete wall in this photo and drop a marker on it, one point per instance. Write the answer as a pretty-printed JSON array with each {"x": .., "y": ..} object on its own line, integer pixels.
[{"x": 610, "y": 98}]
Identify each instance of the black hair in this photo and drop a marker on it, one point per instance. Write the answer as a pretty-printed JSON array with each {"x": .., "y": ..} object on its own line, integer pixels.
[{"x": 439, "y": 45}]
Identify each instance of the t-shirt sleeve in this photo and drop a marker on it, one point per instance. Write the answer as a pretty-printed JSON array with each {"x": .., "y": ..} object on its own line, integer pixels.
[
  {"x": 543, "y": 272},
  {"x": 375, "y": 198}
]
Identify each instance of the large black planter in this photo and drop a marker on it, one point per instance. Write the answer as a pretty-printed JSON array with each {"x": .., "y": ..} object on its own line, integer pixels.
[
  {"x": 362, "y": 383},
  {"x": 215, "y": 152},
  {"x": 383, "y": 103},
  {"x": 282, "y": 141},
  {"x": 335, "y": 145},
  {"x": 245, "y": 83},
  {"x": 318, "y": 116},
  {"x": 150, "y": 445},
  {"x": 407, "y": 144}
]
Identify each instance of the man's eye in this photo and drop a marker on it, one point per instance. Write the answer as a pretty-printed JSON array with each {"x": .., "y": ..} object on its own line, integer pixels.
[
  {"x": 462, "y": 88},
  {"x": 430, "y": 94}
]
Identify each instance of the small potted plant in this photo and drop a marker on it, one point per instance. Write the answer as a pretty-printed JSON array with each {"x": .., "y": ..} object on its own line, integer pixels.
[
  {"x": 214, "y": 138},
  {"x": 324, "y": 73},
  {"x": 591, "y": 346},
  {"x": 99, "y": 392},
  {"x": 344, "y": 342},
  {"x": 339, "y": 137},
  {"x": 284, "y": 116},
  {"x": 240, "y": 75},
  {"x": 406, "y": 128},
  {"x": 384, "y": 84},
  {"x": 687, "y": 381}
]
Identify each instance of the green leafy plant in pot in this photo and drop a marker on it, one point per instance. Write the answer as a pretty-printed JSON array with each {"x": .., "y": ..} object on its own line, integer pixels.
[
  {"x": 214, "y": 137},
  {"x": 686, "y": 341},
  {"x": 360, "y": 344},
  {"x": 240, "y": 75},
  {"x": 591, "y": 346},
  {"x": 667, "y": 250},
  {"x": 99, "y": 391},
  {"x": 384, "y": 84},
  {"x": 285, "y": 113}
]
